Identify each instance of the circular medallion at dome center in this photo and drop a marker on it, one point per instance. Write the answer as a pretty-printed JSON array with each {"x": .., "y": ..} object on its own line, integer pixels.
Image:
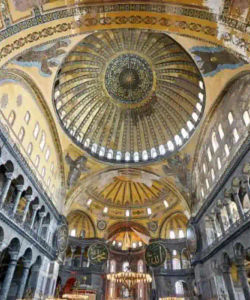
[{"x": 129, "y": 78}]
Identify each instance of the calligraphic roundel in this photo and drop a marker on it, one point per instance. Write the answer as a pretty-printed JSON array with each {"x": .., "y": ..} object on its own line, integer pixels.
[
  {"x": 98, "y": 253},
  {"x": 155, "y": 254}
]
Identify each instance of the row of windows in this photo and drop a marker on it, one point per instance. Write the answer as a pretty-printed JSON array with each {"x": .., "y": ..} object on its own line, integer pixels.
[
  {"x": 180, "y": 235},
  {"x": 215, "y": 146},
  {"x": 21, "y": 135}
]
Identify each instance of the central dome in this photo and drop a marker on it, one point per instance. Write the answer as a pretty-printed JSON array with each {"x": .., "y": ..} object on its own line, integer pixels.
[
  {"x": 129, "y": 95},
  {"x": 129, "y": 78}
]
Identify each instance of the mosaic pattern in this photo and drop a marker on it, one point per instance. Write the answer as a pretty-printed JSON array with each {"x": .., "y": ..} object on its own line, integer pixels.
[
  {"x": 129, "y": 95},
  {"x": 128, "y": 78}
]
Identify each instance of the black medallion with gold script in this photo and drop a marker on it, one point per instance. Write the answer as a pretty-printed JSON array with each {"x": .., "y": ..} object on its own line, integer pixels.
[
  {"x": 98, "y": 253},
  {"x": 155, "y": 254}
]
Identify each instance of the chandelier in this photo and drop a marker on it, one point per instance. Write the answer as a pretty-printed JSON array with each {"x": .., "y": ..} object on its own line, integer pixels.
[{"x": 129, "y": 279}]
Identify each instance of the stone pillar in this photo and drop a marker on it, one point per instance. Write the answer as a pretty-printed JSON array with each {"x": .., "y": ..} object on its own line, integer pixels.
[
  {"x": 6, "y": 188},
  {"x": 73, "y": 250},
  {"x": 26, "y": 209},
  {"x": 212, "y": 220},
  {"x": 81, "y": 258},
  {"x": 228, "y": 209},
  {"x": 228, "y": 281},
  {"x": 243, "y": 277},
  {"x": 218, "y": 214},
  {"x": 9, "y": 275},
  {"x": 245, "y": 184},
  {"x": 17, "y": 198},
  {"x": 41, "y": 215},
  {"x": 35, "y": 208},
  {"x": 238, "y": 203},
  {"x": 26, "y": 268}
]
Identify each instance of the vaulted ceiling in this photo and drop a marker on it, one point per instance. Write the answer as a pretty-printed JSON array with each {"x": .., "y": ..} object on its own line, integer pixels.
[{"x": 127, "y": 88}]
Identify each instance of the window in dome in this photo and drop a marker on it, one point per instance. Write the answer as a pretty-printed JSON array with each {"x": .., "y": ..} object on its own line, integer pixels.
[
  {"x": 127, "y": 156},
  {"x": 236, "y": 135},
  {"x": 127, "y": 213},
  {"x": 94, "y": 148},
  {"x": 102, "y": 151},
  {"x": 87, "y": 143},
  {"x": 118, "y": 155},
  {"x": 195, "y": 116},
  {"x": 201, "y": 85},
  {"x": 105, "y": 210},
  {"x": 21, "y": 134},
  {"x": 172, "y": 234},
  {"x": 110, "y": 154},
  {"x": 227, "y": 150},
  {"x": 27, "y": 117},
  {"x": 190, "y": 125},
  {"x": 165, "y": 203},
  {"x": 199, "y": 107},
  {"x": 11, "y": 118},
  {"x": 149, "y": 210},
  {"x": 201, "y": 96},
  {"x": 221, "y": 132},
  {"x": 218, "y": 163},
  {"x": 246, "y": 118},
  {"x": 214, "y": 142},
  {"x": 170, "y": 146},
  {"x": 181, "y": 234},
  {"x": 184, "y": 133},
  {"x": 144, "y": 155},
  {"x": 178, "y": 140},
  {"x": 89, "y": 202},
  {"x": 153, "y": 153},
  {"x": 42, "y": 141},
  {"x": 204, "y": 168},
  {"x": 179, "y": 290},
  {"x": 162, "y": 150},
  {"x": 230, "y": 118},
  {"x": 174, "y": 252},
  {"x": 73, "y": 232},
  {"x": 125, "y": 266},
  {"x": 136, "y": 156},
  {"x": 30, "y": 149},
  {"x": 209, "y": 155},
  {"x": 36, "y": 130}
]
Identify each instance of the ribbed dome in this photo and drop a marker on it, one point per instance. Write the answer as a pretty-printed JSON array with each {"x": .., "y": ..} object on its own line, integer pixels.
[{"x": 129, "y": 95}]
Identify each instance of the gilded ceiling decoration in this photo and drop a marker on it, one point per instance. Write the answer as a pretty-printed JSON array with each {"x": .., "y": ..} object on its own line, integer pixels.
[{"x": 129, "y": 95}]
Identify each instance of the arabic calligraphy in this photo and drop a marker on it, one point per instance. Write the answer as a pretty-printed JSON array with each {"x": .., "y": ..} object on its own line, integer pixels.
[
  {"x": 98, "y": 253},
  {"x": 155, "y": 254}
]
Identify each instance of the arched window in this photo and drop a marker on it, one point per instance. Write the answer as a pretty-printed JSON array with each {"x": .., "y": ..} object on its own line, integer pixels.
[
  {"x": 221, "y": 132},
  {"x": 207, "y": 184},
  {"x": 112, "y": 266},
  {"x": 204, "y": 168},
  {"x": 37, "y": 161},
  {"x": 212, "y": 174},
  {"x": 140, "y": 266},
  {"x": 230, "y": 118},
  {"x": 27, "y": 117},
  {"x": 73, "y": 232},
  {"x": 179, "y": 290},
  {"x": 43, "y": 172},
  {"x": 36, "y": 130},
  {"x": 42, "y": 141},
  {"x": 226, "y": 150},
  {"x": 30, "y": 149},
  {"x": 236, "y": 135},
  {"x": 181, "y": 234},
  {"x": 176, "y": 263},
  {"x": 47, "y": 155},
  {"x": 21, "y": 134},
  {"x": 246, "y": 118},
  {"x": 218, "y": 163},
  {"x": 172, "y": 234},
  {"x": 11, "y": 118},
  {"x": 209, "y": 155},
  {"x": 214, "y": 142},
  {"x": 125, "y": 266}
]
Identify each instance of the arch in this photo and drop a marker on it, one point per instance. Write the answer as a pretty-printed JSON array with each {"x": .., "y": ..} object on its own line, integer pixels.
[
  {"x": 173, "y": 223},
  {"x": 126, "y": 226},
  {"x": 15, "y": 245},
  {"x": 80, "y": 220}
]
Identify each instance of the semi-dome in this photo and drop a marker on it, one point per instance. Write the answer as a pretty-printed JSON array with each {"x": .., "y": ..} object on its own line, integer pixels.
[{"x": 129, "y": 95}]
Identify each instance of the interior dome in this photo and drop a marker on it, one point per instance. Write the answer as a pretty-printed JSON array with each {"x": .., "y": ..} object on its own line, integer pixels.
[{"x": 129, "y": 95}]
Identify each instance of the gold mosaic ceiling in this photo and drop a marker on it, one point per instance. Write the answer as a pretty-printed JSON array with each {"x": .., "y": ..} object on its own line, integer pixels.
[{"x": 129, "y": 95}]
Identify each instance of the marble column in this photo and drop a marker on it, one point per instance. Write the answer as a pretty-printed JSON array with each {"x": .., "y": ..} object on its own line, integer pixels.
[
  {"x": 35, "y": 209},
  {"x": 41, "y": 215},
  {"x": 212, "y": 220},
  {"x": 228, "y": 209},
  {"x": 237, "y": 202},
  {"x": 9, "y": 275},
  {"x": 26, "y": 268},
  {"x": 17, "y": 198},
  {"x": 228, "y": 281},
  {"x": 26, "y": 209},
  {"x": 218, "y": 214},
  {"x": 81, "y": 258},
  {"x": 243, "y": 277},
  {"x": 73, "y": 250},
  {"x": 6, "y": 188}
]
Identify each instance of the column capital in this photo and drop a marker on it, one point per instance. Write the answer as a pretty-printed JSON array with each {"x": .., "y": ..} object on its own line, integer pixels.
[
  {"x": 42, "y": 214},
  {"x": 9, "y": 175},
  {"x": 20, "y": 187},
  {"x": 28, "y": 198},
  {"x": 73, "y": 248},
  {"x": 26, "y": 263},
  {"x": 35, "y": 206},
  {"x": 235, "y": 190},
  {"x": 13, "y": 255}
]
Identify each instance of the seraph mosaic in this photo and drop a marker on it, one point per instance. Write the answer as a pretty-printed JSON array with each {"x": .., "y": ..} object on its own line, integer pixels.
[
  {"x": 44, "y": 57},
  {"x": 212, "y": 60}
]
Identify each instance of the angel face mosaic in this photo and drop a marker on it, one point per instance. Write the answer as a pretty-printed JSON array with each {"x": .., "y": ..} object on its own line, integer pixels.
[{"x": 129, "y": 95}]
